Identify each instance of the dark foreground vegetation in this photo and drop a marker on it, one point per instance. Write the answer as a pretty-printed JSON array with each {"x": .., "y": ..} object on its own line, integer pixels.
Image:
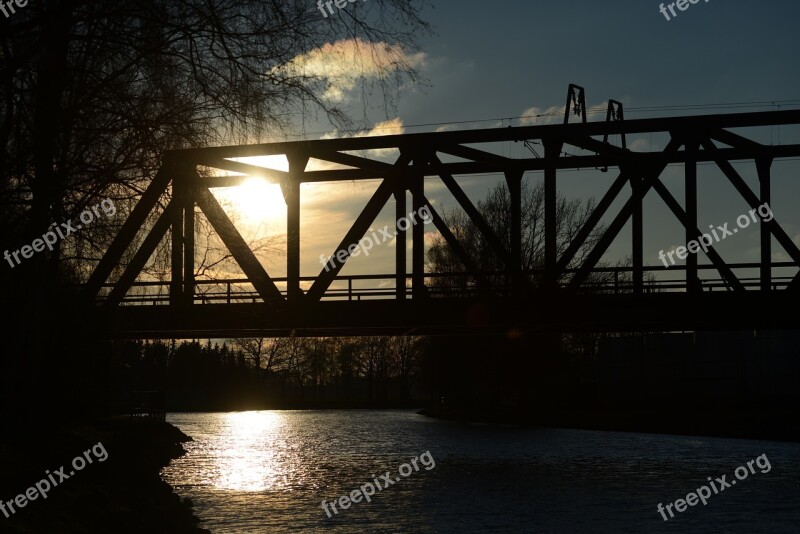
[{"x": 124, "y": 493}]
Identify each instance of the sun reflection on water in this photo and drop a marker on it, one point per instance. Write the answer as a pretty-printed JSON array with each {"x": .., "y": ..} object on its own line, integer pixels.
[{"x": 248, "y": 462}]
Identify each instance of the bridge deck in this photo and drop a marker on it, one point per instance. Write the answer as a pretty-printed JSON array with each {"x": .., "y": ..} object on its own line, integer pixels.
[
  {"x": 225, "y": 308},
  {"x": 539, "y": 313}
]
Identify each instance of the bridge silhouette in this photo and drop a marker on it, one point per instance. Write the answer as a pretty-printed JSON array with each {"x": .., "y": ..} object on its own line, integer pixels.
[{"x": 558, "y": 297}]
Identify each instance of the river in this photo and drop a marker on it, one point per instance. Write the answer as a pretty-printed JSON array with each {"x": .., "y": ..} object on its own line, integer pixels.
[{"x": 269, "y": 471}]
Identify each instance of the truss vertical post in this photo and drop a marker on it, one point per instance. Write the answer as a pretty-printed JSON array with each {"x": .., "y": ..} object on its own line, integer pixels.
[
  {"x": 514, "y": 181},
  {"x": 637, "y": 235},
  {"x": 293, "y": 240},
  {"x": 189, "y": 177},
  {"x": 692, "y": 280},
  {"x": 291, "y": 192},
  {"x": 418, "y": 237},
  {"x": 763, "y": 166},
  {"x": 400, "y": 242},
  {"x": 552, "y": 151},
  {"x": 176, "y": 216}
]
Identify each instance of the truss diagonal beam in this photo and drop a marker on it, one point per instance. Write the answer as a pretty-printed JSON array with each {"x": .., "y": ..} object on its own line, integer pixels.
[
  {"x": 592, "y": 222},
  {"x": 238, "y": 247},
  {"x": 451, "y": 240},
  {"x": 751, "y": 198},
  {"x": 129, "y": 230},
  {"x": 651, "y": 175},
  {"x": 473, "y": 213},
  {"x": 357, "y": 231},
  {"x": 137, "y": 263},
  {"x": 712, "y": 254}
]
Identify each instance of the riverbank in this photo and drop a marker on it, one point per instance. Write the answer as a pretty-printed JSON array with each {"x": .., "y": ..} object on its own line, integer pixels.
[
  {"x": 743, "y": 424},
  {"x": 123, "y": 493}
]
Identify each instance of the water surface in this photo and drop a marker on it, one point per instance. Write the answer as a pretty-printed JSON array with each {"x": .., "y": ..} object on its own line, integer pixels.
[{"x": 269, "y": 471}]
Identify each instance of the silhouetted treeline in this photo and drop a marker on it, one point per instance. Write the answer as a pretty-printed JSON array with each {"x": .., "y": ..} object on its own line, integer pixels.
[
  {"x": 271, "y": 373},
  {"x": 740, "y": 384},
  {"x": 723, "y": 383}
]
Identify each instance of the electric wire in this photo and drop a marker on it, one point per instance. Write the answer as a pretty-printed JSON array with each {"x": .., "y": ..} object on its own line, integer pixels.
[{"x": 560, "y": 112}]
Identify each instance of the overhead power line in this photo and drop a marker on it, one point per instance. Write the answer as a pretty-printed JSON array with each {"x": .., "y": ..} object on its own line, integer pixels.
[{"x": 589, "y": 111}]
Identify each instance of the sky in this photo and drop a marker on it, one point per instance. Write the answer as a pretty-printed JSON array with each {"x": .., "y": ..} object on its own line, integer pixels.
[{"x": 489, "y": 61}]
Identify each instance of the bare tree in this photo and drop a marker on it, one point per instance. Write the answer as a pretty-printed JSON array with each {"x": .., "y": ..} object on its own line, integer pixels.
[
  {"x": 296, "y": 358},
  {"x": 96, "y": 92},
  {"x": 373, "y": 358},
  {"x": 404, "y": 351},
  {"x": 257, "y": 350},
  {"x": 571, "y": 215},
  {"x": 92, "y": 93}
]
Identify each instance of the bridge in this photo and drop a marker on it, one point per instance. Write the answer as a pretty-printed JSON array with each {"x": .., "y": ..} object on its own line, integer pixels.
[{"x": 561, "y": 296}]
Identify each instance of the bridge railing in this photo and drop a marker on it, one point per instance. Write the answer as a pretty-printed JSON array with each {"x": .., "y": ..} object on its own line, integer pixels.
[{"x": 605, "y": 280}]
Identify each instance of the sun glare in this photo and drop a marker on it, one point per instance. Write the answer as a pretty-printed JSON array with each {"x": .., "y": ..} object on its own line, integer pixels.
[
  {"x": 248, "y": 462},
  {"x": 257, "y": 201}
]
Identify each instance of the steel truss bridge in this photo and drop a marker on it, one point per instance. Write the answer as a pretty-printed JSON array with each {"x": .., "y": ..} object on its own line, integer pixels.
[{"x": 560, "y": 296}]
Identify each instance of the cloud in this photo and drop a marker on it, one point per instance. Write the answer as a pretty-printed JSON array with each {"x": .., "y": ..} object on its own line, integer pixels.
[
  {"x": 344, "y": 63},
  {"x": 639, "y": 145},
  {"x": 390, "y": 127}
]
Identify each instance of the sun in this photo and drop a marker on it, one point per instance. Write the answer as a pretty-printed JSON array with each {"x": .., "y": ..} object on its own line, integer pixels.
[{"x": 256, "y": 201}]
